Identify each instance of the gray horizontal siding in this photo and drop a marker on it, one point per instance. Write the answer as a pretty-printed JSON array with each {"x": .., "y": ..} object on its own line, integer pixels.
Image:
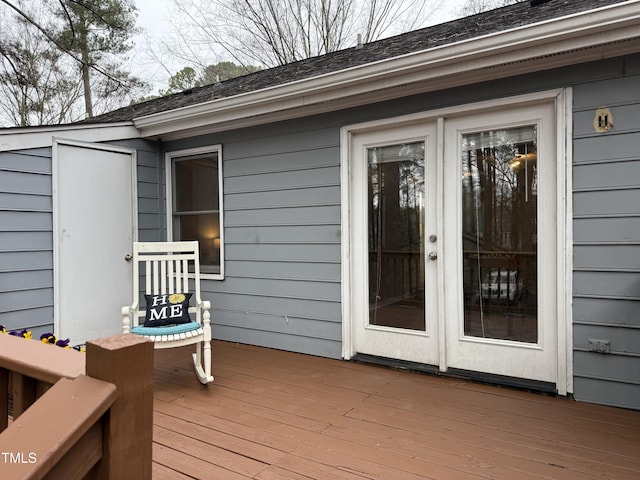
[
  {"x": 624, "y": 340},
  {"x": 291, "y": 270},
  {"x": 26, "y": 245},
  {"x": 599, "y": 203},
  {"x": 25, "y": 202},
  {"x": 286, "y": 216},
  {"x": 314, "y": 195},
  {"x": 609, "y": 284},
  {"x": 282, "y": 239},
  {"x": 607, "y": 257},
  {"x": 296, "y": 234},
  {"x": 603, "y": 149},
  {"x": 610, "y": 229},
  {"x": 282, "y": 212},
  {"x": 24, "y": 241},
  {"x": 607, "y": 392},
  {"x": 596, "y": 310},
  {"x": 150, "y": 185},
  {"x": 25, "y": 280},
  {"x": 317, "y": 290},
  {"x": 37, "y": 319},
  {"x": 606, "y": 230},
  {"x": 282, "y": 306},
  {"x": 607, "y": 175}
]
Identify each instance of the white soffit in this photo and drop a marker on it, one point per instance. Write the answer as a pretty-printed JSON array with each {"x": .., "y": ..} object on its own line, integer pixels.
[{"x": 595, "y": 34}]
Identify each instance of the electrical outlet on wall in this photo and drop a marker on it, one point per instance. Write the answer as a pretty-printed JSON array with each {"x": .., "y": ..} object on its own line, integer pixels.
[{"x": 599, "y": 345}]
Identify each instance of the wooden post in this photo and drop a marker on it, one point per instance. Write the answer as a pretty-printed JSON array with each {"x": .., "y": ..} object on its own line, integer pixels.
[
  {"x": 4, "y": 399},
  {"x": 125, "y": 360}
]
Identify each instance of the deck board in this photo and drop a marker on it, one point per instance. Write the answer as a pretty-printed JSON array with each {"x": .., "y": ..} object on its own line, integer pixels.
[{"x": 274, "y": 415}]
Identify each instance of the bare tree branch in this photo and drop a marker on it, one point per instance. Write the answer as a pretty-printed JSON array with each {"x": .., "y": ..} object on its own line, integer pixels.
[
  {"x": 54, "y": 41},
  {"x": 472, "y": 7},
  {"x": 276, "y": 32},
  {"x": 81, "y": 43}
]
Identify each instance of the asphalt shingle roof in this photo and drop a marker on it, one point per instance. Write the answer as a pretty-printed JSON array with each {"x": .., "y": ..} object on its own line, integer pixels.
[{"x": 513, "y": 16}]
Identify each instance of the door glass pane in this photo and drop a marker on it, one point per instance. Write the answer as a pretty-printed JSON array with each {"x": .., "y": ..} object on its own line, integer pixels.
[
  {"x": 499, "y": 234},
  {"x": 396, "y": 211}
]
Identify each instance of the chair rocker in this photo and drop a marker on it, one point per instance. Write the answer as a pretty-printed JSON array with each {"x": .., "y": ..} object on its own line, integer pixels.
[{"x": 167, "y": 267}]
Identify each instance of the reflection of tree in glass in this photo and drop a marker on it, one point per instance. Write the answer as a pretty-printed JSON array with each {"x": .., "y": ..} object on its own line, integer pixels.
[
  {"x": 500, "y": 187},
  {"x": 396, "y": 196},
  {"x": 499, "y": 219},
  {"x": 396, "y": 229}
]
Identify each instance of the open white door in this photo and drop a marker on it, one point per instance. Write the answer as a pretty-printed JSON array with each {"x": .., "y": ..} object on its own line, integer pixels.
[{"x": 95, "y": 211}]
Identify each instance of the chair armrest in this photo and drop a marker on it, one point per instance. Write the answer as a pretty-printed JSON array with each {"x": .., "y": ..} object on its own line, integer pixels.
[
  {"x": 206, "y": 320},
  {"x": 127, "y": 312}
]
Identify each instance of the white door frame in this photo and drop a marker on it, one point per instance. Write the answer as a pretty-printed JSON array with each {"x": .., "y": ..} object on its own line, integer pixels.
[
  {"x": 562, "y": 100},
  {"x": 56, "y": 208}
]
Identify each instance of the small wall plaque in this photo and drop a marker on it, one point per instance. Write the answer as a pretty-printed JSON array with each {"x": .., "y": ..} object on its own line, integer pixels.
[{"x": 603, "y": 121}]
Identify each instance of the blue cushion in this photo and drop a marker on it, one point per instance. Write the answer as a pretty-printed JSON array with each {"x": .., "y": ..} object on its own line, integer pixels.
[{"x": 168, "y": 330}]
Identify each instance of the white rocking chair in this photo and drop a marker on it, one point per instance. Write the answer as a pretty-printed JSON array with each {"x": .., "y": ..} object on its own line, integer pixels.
[{"x": 167, "y": 268}]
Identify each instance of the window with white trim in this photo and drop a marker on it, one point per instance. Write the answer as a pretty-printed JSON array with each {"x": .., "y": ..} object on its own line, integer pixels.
[{"x": 194, "y": 204}]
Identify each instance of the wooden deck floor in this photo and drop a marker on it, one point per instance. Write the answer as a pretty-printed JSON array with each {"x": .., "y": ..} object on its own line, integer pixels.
[{"x": 277, "y": 415}]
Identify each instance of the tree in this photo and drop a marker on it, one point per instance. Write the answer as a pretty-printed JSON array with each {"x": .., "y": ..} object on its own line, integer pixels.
[
  {"x": 276, "y": 32},
  {"x": 34, "y": 86},
  {"x": 95, "y": 32},
  {"x": 182, "y": 80},
  {"x": 222, "y": 71},
  {"x": 32, "y": 76},
  {"x": 50, "y": 47},
  {"x": 472, "y": 7},
  {"x": 219, "y": 72}
]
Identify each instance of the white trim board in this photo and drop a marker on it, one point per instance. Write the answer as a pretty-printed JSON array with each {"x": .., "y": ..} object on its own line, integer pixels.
[{"x": 26, "y": 138}]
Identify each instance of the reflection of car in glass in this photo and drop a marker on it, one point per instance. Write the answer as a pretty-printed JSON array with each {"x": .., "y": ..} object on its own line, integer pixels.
[{"x": 501, "y": 286}]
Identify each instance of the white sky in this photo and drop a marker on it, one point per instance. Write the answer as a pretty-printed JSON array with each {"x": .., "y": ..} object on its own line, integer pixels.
[{"x": 153, "y": 19}]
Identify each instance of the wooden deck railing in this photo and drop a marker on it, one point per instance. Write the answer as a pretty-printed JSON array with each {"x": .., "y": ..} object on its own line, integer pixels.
[{"x": 76, "y": 415}]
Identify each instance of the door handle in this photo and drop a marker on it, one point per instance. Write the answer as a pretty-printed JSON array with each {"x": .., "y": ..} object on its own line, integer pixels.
[
  {"x": 433, "y": 255},
  {"x": 128, "y": 258}
]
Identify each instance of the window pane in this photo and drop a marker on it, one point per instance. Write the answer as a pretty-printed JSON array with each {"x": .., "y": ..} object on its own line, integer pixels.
[
  {"x": 499, "y": 220},
  {"x": 196, "y": 184},
  {"x": 206, "y": 229},
  {"x": 396, "y": 236}
]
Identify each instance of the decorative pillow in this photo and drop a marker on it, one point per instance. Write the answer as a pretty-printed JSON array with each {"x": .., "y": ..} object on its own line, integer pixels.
[{"x": 163, "y": 310}]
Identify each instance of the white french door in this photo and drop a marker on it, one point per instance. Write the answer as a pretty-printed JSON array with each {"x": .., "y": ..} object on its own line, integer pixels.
[
  {"x": 453, "y": 241},
  {"x": 394, "y": 232},
  {"x": 500, "y": 272}
]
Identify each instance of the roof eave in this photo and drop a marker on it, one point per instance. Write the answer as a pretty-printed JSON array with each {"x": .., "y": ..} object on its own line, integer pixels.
[{"x": 606, "y": 32}]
